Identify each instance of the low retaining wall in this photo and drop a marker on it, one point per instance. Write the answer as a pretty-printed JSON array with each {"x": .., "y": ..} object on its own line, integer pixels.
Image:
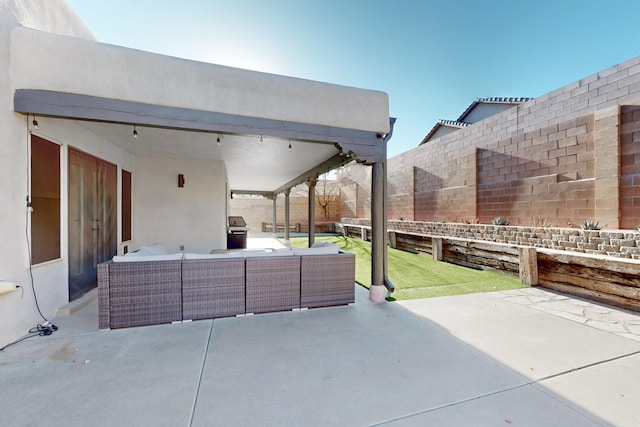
[
  {"x": 609, "y": 279},
  {"x": 617, "y": 243},
  {"x": 605, "y": 279},
  {"x": 320, "y": 227}
]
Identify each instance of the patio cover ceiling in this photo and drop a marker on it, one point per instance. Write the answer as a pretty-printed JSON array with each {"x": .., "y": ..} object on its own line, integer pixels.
[{"x": 255, "y": 152}]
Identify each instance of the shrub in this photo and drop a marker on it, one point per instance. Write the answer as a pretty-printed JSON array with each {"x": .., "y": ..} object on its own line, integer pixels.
[
  {"x": 500, "y": 220},
  {"x": 590, "y": 225},
  {"x": 474, "y": 220},
  {"x": 540, "y": 221}
]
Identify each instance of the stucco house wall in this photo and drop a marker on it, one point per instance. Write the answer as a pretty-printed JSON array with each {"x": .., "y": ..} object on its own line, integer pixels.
[
  {"x": 17, "y": 312},
  {"x": 194, "y": 211},
  {"x": 484, "y": 110},
  {"x": 73, "y": 66}
]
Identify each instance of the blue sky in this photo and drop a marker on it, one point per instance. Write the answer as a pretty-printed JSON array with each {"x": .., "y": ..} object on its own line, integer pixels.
[{"x": 433, "y": 57}]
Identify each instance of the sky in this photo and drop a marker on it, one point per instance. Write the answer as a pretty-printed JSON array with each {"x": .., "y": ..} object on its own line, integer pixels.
[{"x": 432, "y": 57}]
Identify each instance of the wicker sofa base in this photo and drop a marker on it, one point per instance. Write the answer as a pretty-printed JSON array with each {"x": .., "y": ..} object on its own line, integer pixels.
[
  {"x": 155, "y": 292},
  {"x": 327, "y": 280},
  {"x": 140, "y": 293},
  {"x": 272, "y": 284},
  {"x": 212, "y": 288}
]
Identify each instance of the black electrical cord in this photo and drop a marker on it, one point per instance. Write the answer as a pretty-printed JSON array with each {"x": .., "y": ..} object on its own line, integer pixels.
[
  {"x": 37, "y": 331},
  {"x": 33, "y": 288}
]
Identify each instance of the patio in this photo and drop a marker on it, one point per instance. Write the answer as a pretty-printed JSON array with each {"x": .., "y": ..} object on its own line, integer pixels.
[{"x": 481, "y": 359}]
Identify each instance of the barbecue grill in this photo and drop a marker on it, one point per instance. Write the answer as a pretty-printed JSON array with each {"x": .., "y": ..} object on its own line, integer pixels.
[{"x": 236, "y": 233}]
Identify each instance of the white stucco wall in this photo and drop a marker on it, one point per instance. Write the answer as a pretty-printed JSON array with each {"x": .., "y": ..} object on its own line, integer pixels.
[
  {"x": 442, "y": 131},
  {"x": 75, "y": 65},
  {"x": 193, "y": 216},
  {"x": 17, "y": 310},
  {"x": 18, "y": 314},
  {"x": 51, "y": 16}
]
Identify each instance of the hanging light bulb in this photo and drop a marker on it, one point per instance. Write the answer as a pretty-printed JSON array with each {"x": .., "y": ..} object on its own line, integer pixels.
[
  {"x": 135, "y": 132},
  {"x": 35, "y": 122}
]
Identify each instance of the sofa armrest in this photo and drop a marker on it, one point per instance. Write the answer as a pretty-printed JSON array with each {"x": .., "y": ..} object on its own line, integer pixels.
[
  {"x": 327, "y": 280},
  {"x": 142, "y": 293},
  {"x": 104, "y": 310}
]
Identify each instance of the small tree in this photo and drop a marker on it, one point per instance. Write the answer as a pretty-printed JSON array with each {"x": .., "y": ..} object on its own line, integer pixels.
[{"x": 329, "y": 189}]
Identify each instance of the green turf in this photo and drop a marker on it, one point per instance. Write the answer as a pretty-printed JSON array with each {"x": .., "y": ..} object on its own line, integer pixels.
[{"x": 419, "y": 276}]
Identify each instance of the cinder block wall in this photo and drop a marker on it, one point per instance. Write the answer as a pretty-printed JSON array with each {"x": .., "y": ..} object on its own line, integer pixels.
[
  {"x": 561, "y": 158},
  {"x": 630, "y": 167}
]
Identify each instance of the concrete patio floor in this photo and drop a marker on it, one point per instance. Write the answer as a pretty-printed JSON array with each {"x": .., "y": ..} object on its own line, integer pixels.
[{"x": 473, "y": 360}]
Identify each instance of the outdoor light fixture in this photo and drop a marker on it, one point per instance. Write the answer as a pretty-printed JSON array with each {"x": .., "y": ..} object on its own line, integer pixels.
[
  {"x": 219, "y": 138},
  {"x": 261, "y": 140},
  {"x": 180, "y": 180},
  {"x": 289, "y": 145},
  {"x": 135, "y": 132},
  {"x": 35, "y": 122}
]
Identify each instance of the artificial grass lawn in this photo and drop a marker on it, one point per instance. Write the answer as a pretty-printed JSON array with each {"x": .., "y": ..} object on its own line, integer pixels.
[{"x": 419, "y": 276}]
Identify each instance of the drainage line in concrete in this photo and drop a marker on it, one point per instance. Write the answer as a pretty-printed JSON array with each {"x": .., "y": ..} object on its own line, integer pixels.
[
  {"x": 588, "y": 366},
  {"x": 204, "y": 360},
  {"x": 448, "y": 405}
]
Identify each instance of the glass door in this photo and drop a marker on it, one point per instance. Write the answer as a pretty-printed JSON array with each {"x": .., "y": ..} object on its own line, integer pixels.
[{"x": 92, "y": 219}]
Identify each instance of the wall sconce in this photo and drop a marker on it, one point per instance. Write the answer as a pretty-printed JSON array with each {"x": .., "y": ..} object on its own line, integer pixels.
[
  {"x": 180, "y": 180},
  {"x": 35, "y": 122}
]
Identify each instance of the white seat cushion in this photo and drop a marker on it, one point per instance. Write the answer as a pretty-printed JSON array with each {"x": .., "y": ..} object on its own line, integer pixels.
[
  {"x": 147, "y": 258},
  {"x": 213, "y": 256},
  {"x": 322, "y": 250}
]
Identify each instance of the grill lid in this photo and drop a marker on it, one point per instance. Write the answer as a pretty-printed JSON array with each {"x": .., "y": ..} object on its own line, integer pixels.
[{"x": 236, "y": 222}]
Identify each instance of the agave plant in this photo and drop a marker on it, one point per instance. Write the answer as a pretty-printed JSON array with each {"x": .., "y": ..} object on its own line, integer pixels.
[
  {"x": 590, "y": 225},
  {"x": 500, "y": 220}
]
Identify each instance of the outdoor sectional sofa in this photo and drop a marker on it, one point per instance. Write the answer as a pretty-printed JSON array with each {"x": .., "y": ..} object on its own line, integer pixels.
[{"x": 146, "y": 289}]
